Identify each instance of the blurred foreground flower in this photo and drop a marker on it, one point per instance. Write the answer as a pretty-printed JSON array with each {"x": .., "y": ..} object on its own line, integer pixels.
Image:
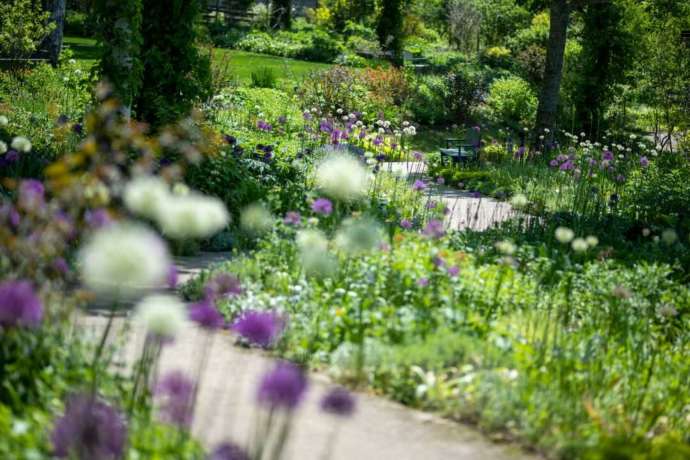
[
  {"x": 222, "y": 285},
  {"x": 322, "y": 206},
  {"x": 256, "y": 219},
  {"x": 192, "y": 216},
  {"x": 342, "y": 177},
  {"x": 228, "y": 451},
  {"x": 261, "y": 328},
  {"x": 19, "y": 305},
  {"x": 357, "y": 236},
  {"x": 434, "y": 229},
  {"x": 145, "y": 195},
  {"x": 123, "y": 259},
  {"x": 314, "y": 255},
  {"x": 283, "y": 387},
  {"x": 338, "y": 401},
  {"x": 564, "y": 235},
  {"x": 175, "y": 394},
  {"x": 162, "y": 315},
  {"x": 206, "y": 315},
  {"x": 90, "y": 429}
]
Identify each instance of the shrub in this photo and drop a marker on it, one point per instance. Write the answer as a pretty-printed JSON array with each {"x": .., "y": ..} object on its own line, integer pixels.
[
  {"x": 80, "y": 24},
  {"x": 464, "y": 92},
  {"x": 497, "y": 56},
  {"x": 322, "y": 47},
  {"x": 511, "y": 101},
  {"x": 22, "y": 28},
  {"x": 494, "y": 153},
  {"x": 428, "y": 102}
]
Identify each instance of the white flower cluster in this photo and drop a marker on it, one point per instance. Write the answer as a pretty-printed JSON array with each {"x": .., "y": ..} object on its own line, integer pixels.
[
  {"x": 124, "y": 259},
  {"x": 182, "y": 214},
  {"x": 315, "y": 257},
  {"x": 342, "y": 177}
]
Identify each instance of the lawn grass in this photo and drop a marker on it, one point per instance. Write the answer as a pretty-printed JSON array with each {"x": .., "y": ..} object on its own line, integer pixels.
[{"x": 239, "y": 64}]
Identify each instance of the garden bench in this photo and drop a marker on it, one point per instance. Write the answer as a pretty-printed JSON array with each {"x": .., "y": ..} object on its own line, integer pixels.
[{"x": 461, "y": 150}]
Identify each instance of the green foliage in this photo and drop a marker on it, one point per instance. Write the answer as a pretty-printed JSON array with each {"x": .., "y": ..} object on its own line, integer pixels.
[
  {"x": 312, "y": 45},
  {"x": 176, "y": 73},
  {"x": 511, "y": 101},
  {"x": 465, "y": 87},
  {"x": 23, "y": 26},
  {"x": 80, "y": 23},
  {"x": 119, "y": 34},
  {"x": 428, "y": 102},
  {"x": 263, "y": 77}
]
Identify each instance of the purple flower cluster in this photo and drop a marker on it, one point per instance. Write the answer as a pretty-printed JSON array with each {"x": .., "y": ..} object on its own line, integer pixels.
[
  {"x": 206, "y": 315},
  {"x": 283, "y": 387},
  {"x": 175, "y": 392},
  {"x": 292, "y": 218},
  {"x": 91, "y": 429},
  {"x": 338, "y": 401},
  {"x": 434, "y": 229},
  {"x": 31, "y": 195},
  {"x": 322, "y": 206},
  {"x": 228, "y": 451},
  {"x": 406, "y": 224},
  {"x": 263, "y": 126},
  {"x": 19, "y": 305},
  {"x": 260, "y": 328},
  {"x": 419, "y": 185}
]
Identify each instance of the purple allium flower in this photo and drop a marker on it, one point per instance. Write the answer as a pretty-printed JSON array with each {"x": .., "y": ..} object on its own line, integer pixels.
[
  {"x": 229, "y": 451},
  {"x": 338, "y": 401},
  {"x": 222, "y": 285},
  {"x": 362, "y": 134},
  {"x": 175, "y": 392},
  {"x": 553, "y": 163},
  {"x": 10, "y": 214},
  {"x": 567, "y": 165},
  {"x": 322, "y": 206},
  {"x": 423, "y": 282},
  {"x": 292, "y": 218},
  {"x": 31, "y": 194},
  {"x": 306, "y": 115},
  {"x": 283, "y": 387},
  {"x": 62, "y": 120},
  {"x": 607, "y": 155},
  {"x": 440, "y": 180},
  {"x": 434, "y": 229},
  {"x": 644, "y": 162},
  {"x": 431, "y": 204},
  {"x": 97, "y": 218},
  {"x": 10, "y": 157},
  {"x": 172, "y": 277},
  {"x": 520, "y": 152},
  {"x": 453, "y": 271},
  {"x": 406, "y": 224},
  {"x": 231, "y": 140},
  {"x": 418, "y": 185},
  {"x": 438, "y": 261},
  {"x": 19, "y": 305},
  {"x": 620, "y": 178},
  {"x": 378, "y": 141},
  {"x": 381, "y": 157},
  {"x": 77, "y": 128},
  {"x": 325, "y": 126},
  {"x": 91, "y": 429},
  {"x": 261, "y": 328},
  {"x": 60, "y": 265},
  {"x": 418, "y": 156},
  {"x": 206, "y": 315}
]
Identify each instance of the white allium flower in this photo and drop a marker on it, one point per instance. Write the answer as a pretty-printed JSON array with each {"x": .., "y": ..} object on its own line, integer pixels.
[
  {"x": 547, "y": 130},
  {"x": 313, "y": 248},
  {"x": 21, "y": 144},
  {"x": 505, "y": 247},
  {"x": 564, "y": 235},
  {"x": 4, "y": 120},
  {"x": 123, "y": 259},
  {"x": 580, "y": 245},
  {"x": 592, "y": 241},
  {"x": 72, "y": 62},
  {"x": 144, "y": 196},
  {"x": 161, "y": 315},
  {"x": 358, "y": 236},
  {"x": 3, "y": 147},
  {"x": 669, "y": 236},
  {"x": 519, "y": 201},
  {"x": 256, "y": 219},
  {"x": 342, "y": 177},
  {"x": 180, "y": 189},
  {"x": 192, "y": 216},
  {"x": 381, "y": 130}
]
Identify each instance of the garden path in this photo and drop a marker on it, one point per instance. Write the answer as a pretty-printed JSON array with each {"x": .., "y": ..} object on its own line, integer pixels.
[
  {"x": 379, "y": 430},
  {"x": 467, "y": 211}
]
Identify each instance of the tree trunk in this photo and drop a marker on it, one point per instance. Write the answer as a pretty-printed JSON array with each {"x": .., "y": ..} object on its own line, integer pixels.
[
  {"x": 553, "y": 69},
  {"x": 54, "y": 40}
]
